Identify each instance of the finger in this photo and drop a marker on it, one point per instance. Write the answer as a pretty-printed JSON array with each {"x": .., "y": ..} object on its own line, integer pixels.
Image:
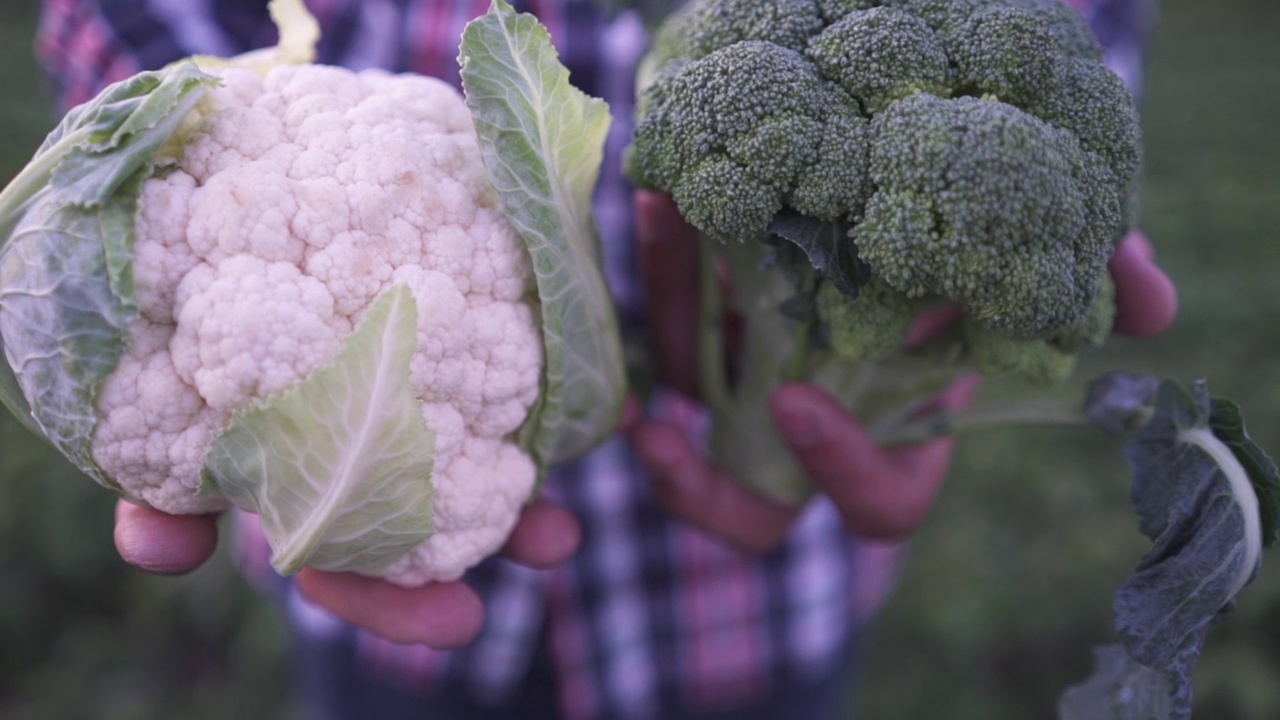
[
  {"x": 881, "y": 493},
  {"x": 1146, "y": 299},
  {"x": 632, "y": 412},
  {"x": 545, "y": 536},
  {"x": 441, "y": 615},
  {"x": 931, "y": 323},
  {"x": 1138, "y": 242},
  {"x": 161, "y": 543},
  {"x": 690, "y": 489},
  {"x": 667, "y": 255}
]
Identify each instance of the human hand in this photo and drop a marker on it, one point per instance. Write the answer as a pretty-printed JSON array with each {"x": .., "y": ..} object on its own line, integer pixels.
[
  {"x": 441, "y": 615},
  {"x": 880, "y": 493}
]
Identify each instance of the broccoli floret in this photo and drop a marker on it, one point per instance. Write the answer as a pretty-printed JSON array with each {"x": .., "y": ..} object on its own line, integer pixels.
[
  {"x": 1043, "y": 361},
  {"x": 698, "y": 29},
  {"x": 1033, "y": 361},
  {"x": 868, "y": 327},
  {"x": 741, "y": 124},
  {"x": 1070, "y": 33},
  {"x": 976, "y": 202},
  {"x": 1093, "y": 104},
  {"x": 833, "y": 10},
  {"x": 881, "y": 55},
  {"x": 1003, "y": 52},
  {"x": 944, "y": 16},
  {"x": 1092, "y": 330},
  {"x": 837, "y": 181}
]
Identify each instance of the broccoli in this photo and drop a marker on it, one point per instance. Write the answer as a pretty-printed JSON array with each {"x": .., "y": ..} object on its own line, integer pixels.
[
  {"x": 871, "y": 326},
  {"x": 857, "y": 164},
  {"x": 984, "y": 155},
  {"x": 1042, "y": 361},
  {"x": 917, "y": 153}
]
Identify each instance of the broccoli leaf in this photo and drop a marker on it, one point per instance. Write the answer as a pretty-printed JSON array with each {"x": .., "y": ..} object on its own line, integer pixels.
[
  {"x": 339, "y": 466},
  {"x": 1194, "y": 499},
  {"x": 1119, "y": 402},
  {"x": 1118, "y": 689},
  {"x": 828, "y": 246},
  {"x": 542, "y": 142},
  {"x": 66, "y": 246},
  {"x": 1228, "y": 425}
]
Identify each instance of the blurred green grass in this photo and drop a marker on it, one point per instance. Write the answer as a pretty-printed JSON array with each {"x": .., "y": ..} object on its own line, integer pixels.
[{"x": 1009, "y": 583}]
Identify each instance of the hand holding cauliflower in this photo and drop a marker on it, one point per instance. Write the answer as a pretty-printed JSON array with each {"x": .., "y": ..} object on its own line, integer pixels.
[{"x": 295, "y": 289}]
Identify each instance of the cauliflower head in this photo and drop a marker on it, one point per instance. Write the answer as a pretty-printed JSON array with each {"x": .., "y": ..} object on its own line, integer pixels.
[
  {"x": 297, "y": 199},
  {"x": 295, "y": 289}
]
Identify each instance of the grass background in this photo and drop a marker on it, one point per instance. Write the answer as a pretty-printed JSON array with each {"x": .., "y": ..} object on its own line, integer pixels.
[{"x": 1010, "y": 581}]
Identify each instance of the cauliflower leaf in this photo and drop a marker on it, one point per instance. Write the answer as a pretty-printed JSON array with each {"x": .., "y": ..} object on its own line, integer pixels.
[
  {"x": 66, "y": 241},
  {"x": 339, "y": 466},
  {"x": 543, "y": 142}
]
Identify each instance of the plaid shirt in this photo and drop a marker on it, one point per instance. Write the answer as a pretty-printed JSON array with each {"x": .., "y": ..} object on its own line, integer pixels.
[{"x": 651, "y": 614}]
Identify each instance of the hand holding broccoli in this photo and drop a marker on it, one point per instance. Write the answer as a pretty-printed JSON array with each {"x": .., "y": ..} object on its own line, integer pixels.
[{"x": 881, "y": 493}]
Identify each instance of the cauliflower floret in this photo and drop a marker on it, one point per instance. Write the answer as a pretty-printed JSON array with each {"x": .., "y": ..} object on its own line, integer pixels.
[
  {"x": 249, "y": 328},
  {"x": 470, "y": 524},
  {"x": 297, "y": 200},
  {"x": 230, "y": 216},
  {"x": 155, "y": 428},
  {"x": 161, "y": 255},
  {"x": 502, "y": 379}
]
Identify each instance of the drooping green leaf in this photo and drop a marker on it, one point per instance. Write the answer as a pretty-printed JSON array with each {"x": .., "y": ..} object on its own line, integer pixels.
[
  {"x": 1194, "y": 499},
  {"x": 543, "y": 142},
  {"x": 1118, "y": 689},
  {"x": 339, "y": 466},
  {"x": 66, "y": 245},
  {"x": 1227, "y": 423}
]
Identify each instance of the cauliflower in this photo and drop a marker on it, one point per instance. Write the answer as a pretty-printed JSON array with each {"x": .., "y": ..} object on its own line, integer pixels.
[{"x": 296, "y": 289}]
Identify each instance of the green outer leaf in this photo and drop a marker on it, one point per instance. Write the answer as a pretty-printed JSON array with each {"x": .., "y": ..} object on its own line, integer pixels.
[
  {"x": 1193, "y": 498},
  {"x": 66, "y": 246},
  {"x": 543, "y": 142},
  {"x": 1118, "y": 689},
  {"x": 1228, "y": 425},
  {"x": 339, "y": 466}
]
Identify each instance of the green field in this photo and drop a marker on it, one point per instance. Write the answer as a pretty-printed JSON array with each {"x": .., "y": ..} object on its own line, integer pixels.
[{"x": 1009, "y": 582}]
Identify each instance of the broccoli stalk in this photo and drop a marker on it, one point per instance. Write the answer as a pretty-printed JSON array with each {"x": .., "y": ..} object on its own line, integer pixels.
[
  {"x": 743, "y": 438},
  {"x": 889, "y": 390}
]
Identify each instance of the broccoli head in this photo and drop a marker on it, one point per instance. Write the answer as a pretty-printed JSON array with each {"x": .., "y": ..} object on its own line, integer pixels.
[{"x": 978, "y": 150}]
